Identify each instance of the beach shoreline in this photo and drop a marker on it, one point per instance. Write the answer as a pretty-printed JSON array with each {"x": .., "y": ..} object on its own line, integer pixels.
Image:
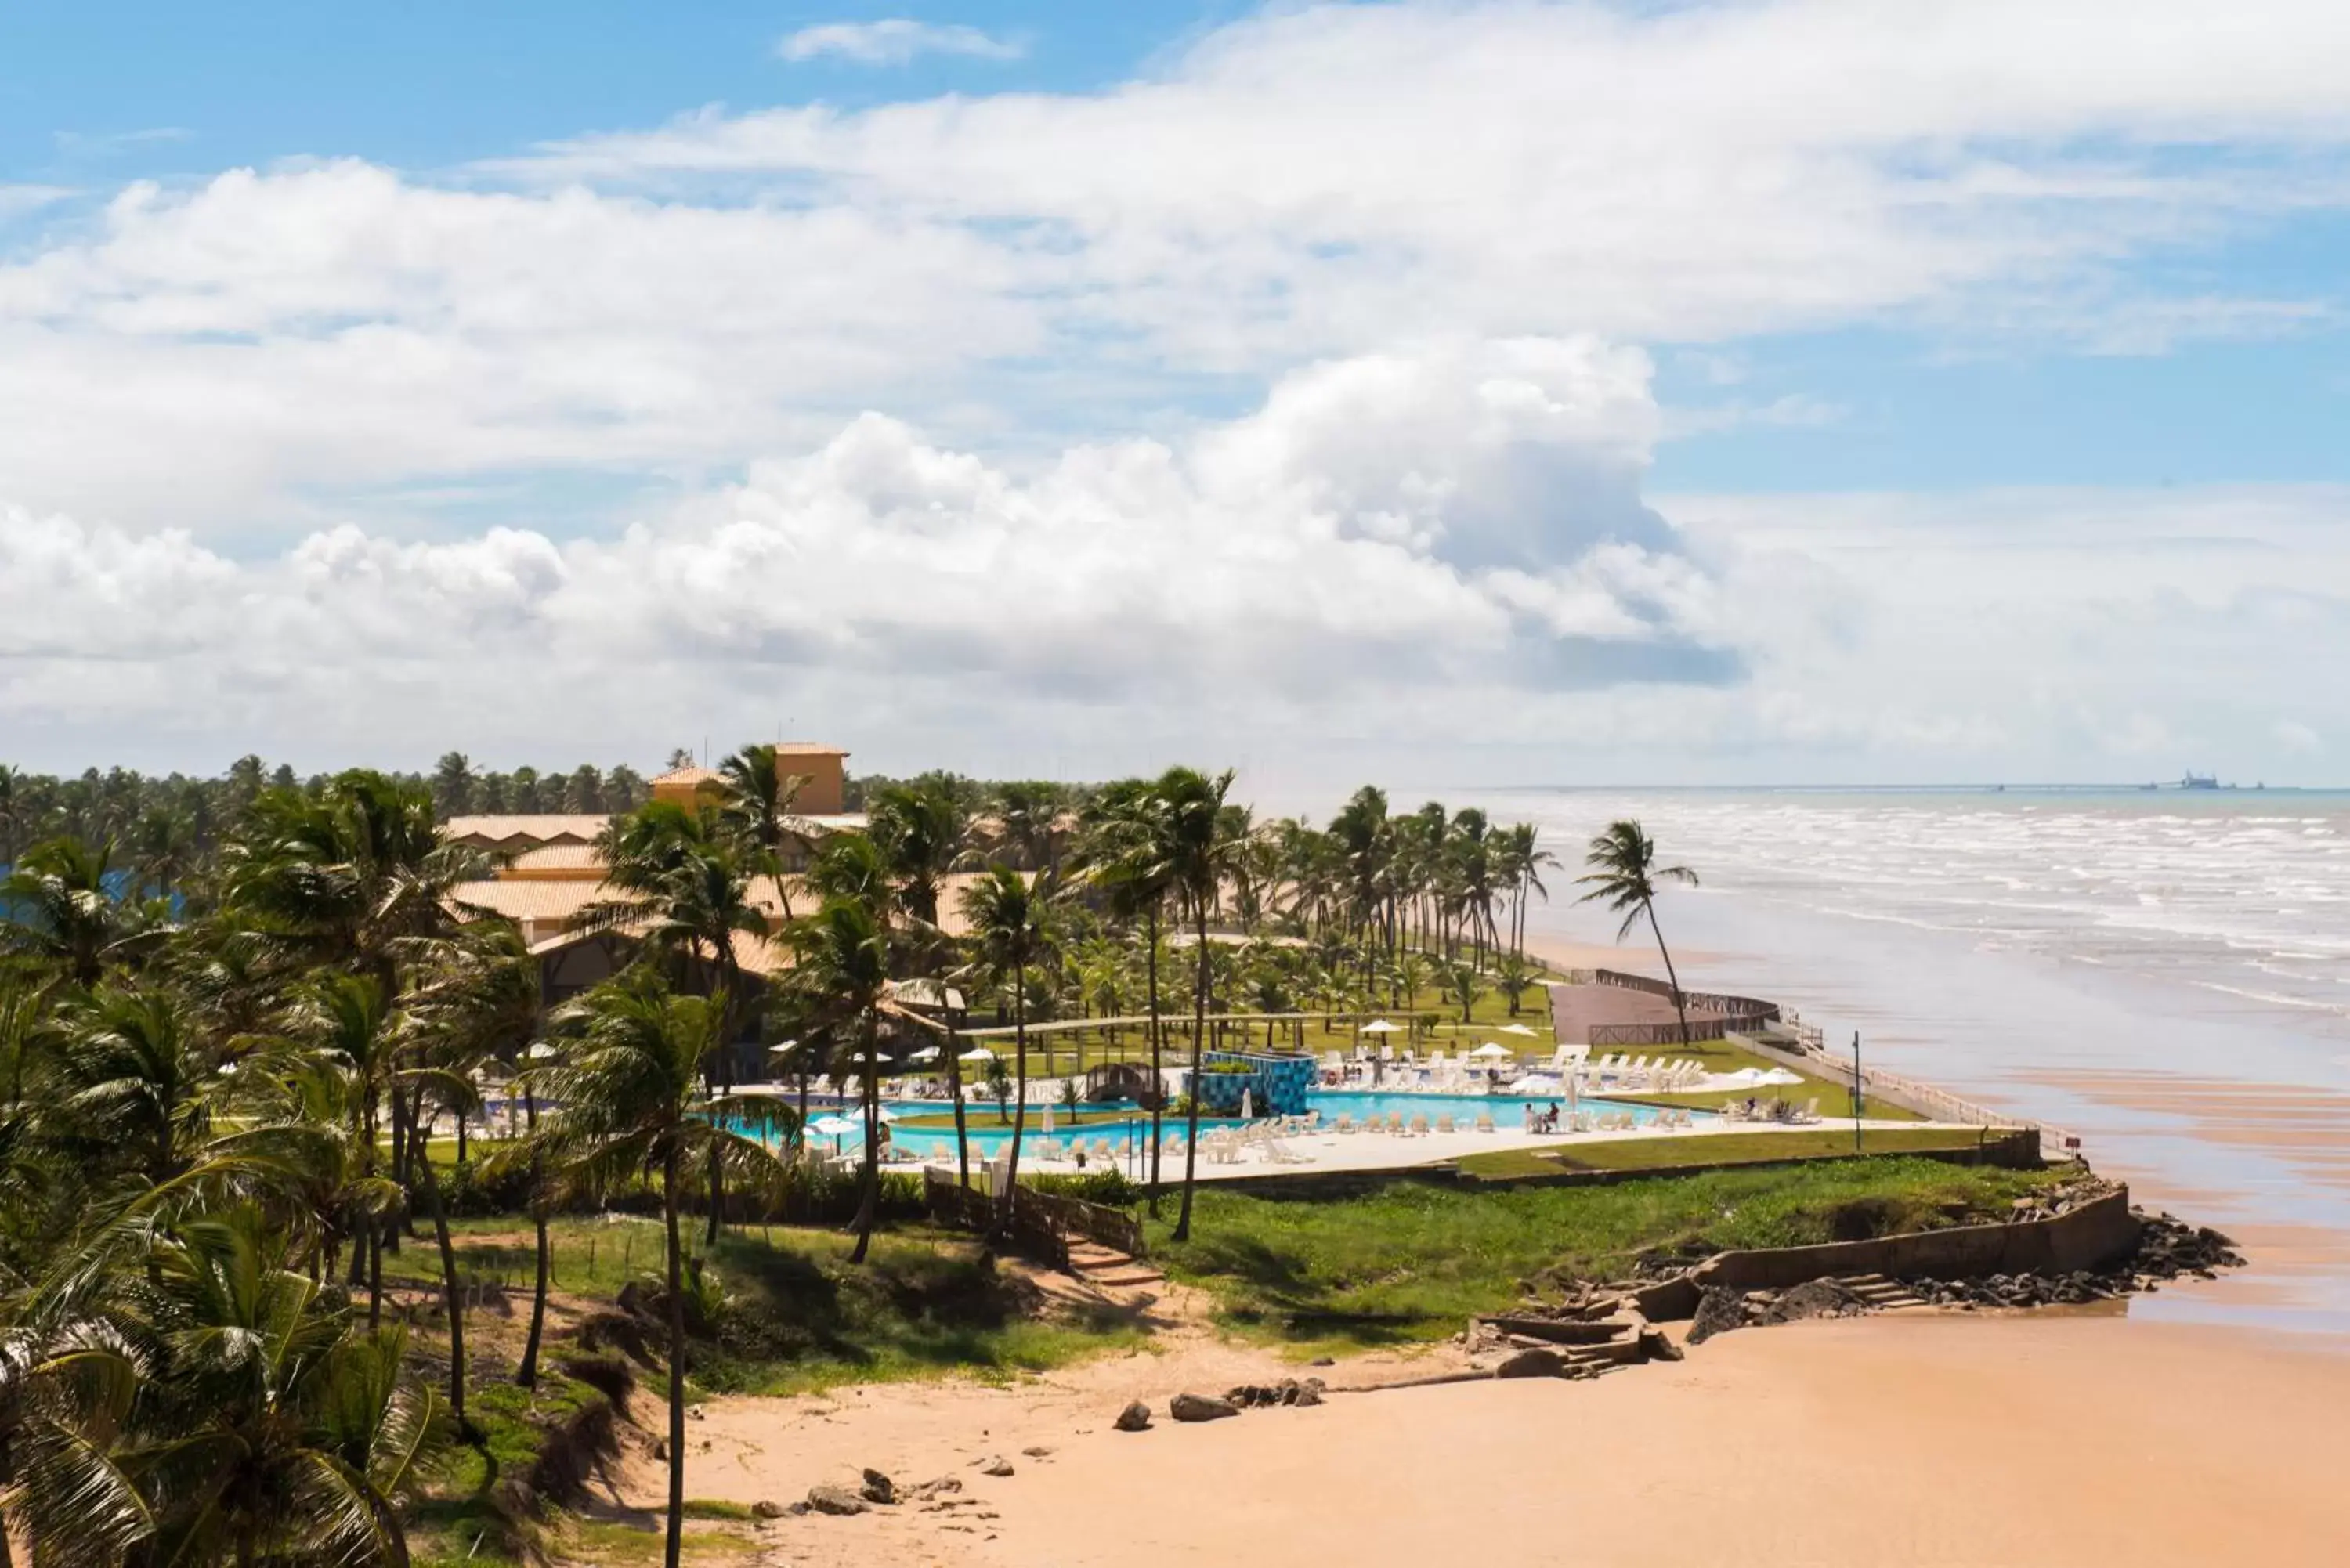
[{"x": 1915, "y": 1437}]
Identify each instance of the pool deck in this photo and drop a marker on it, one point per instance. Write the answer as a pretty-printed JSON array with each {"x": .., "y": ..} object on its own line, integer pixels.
[{"x": 1329, "y": 1151}]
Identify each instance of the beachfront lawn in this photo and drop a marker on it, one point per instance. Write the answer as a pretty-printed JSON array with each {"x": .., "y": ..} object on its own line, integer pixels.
[
  {"x": 797, "y": 1318},
  {"x": 1714, "y": 1148},
  {"x": 1724, "y": 1057},
  {"x": 1412, "y": 1259}
]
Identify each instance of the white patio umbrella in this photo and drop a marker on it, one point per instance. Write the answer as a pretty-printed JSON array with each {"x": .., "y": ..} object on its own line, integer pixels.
[
  {"x": 1515, "y": 1029},
  {"x": 834, "y": 1127},
  {"x": 1247, "y": 1106},
  {"x": 780, "y": 1046},
  {"x": 927, "y": 1053},
  {"x": 1381, "y": 1026},
  {"x": 1491, "y": 1052},
  {"x": 977, "y": 1053}
]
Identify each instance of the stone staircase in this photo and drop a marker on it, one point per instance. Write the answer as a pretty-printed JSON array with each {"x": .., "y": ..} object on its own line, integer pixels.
[
  {"x": 1105, "y": 1268},
  {"x": 1881, "y": 1294}
]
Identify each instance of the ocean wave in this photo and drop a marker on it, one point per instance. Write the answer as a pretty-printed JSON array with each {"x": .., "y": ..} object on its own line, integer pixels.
[{"x": 2306, "y": 1004}]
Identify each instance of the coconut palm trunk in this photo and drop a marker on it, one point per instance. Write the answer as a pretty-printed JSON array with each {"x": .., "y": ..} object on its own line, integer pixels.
[
  {"x": 675, "y": 1542},
  {"x": 1158, "y": 1078},
  {"x": 1198, "y": 1042},
  {"x": 868, "y": 1201},
  {"x": 1019, "y": 1118},
  {"x": 963, "y": 1134},
  {"x": 527, "y": 1374},
  {"x": 431, "y": 1182},
  {"x": 1680, "y": 1002}
]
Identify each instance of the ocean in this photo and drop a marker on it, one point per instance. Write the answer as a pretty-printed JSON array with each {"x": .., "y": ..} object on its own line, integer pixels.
[{"x": 2165, "y": 974}]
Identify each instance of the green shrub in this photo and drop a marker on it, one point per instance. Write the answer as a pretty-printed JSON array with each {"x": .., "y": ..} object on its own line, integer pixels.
[{"x": 1108, "y": 1187}]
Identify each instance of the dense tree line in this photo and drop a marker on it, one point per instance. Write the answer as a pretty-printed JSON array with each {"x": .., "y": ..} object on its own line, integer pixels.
[{"x": 163, "y": 827}]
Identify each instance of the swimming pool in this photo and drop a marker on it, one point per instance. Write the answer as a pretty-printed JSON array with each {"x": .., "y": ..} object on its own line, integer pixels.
[{"x": 1126, "y": 1127}]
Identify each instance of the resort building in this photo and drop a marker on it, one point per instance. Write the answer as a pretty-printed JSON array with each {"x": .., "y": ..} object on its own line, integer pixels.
[{"x": 553, "y": 872}]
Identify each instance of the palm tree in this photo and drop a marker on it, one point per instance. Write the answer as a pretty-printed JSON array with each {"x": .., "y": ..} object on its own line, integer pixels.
[
  {"x": 841, "y": 966},
  {"x": 1519, "y": 860},
  {"x": 1195, "y": 851},
  {"x": 1009, "y": 930},
  {"x": 345, "y": 1019},
  {"x": 1514, "y": 979},
  {"x": 353, "y": 877},
  {"x": 686, "y": 889},
  {"x": 1464, "y": 984},
  {"x": 1624, "y": 876},
  {"x": 755, "y": 800},
  {"x": 1125, "y": 853},
  {"x": 166, "y": 850},
  {"x": 132, "y": 1090},
  {"x": 477, "y": 1001},
  {"x": 924, "y": 833},
  {"x": 348, "y": 876},
  {"x": 62, "y": 909},
  {"x": 629, "y": 1096},
  {"x": 12, "y": 812},
  {"x": 262, "y": 1428}
]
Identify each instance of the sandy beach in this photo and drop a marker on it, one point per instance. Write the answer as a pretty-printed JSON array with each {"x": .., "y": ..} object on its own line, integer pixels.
[{"x": 1925, "y": 1439}]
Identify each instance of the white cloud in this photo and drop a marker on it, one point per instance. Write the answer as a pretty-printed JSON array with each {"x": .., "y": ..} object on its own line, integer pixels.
[
  {"x": 1028, "y": 269},
  {"x": 26, "y": 198},
  {"x": 1420, "y": 240},
  {"x": 893, "y": 42},
  {"x": 2032, "y": 634},
  {"x": 87, "y": 143},
  {"x": 1400, "y": 527}
]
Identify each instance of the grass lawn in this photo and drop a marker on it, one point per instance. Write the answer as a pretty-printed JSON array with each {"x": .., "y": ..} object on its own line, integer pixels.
[
  {"x": 798, "y": 1317},
  {"x": 1411, "y": 1259},
  {"x": 1717, "y": 1148},
  {"x": 1722, "y": 1056}
]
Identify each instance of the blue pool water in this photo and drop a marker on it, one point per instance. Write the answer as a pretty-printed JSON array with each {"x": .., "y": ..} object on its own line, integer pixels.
[{"x": 1125, "y": 1126}]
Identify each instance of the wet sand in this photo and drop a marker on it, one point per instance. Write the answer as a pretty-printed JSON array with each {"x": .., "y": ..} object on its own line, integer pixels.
[
  {"x": 1568, "y": 953},
  {"x": 1923, "y": 1438}
]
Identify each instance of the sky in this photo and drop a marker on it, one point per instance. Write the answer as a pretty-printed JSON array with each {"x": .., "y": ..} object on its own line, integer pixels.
[{"x": 1453, "y": 392}]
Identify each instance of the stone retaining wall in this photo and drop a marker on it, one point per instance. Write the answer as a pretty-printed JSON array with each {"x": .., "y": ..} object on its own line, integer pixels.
[{"x": 2089, "y": 1236}]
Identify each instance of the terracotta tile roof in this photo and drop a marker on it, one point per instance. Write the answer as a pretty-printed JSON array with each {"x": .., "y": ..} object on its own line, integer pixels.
[
  {"x": 696, "y": 775},
  {"x": 535, "y": 903},
  {"x": 502, "y": 831},
  {"x": 808, "y": 749},
  {"x": 562, "y": 856},
  {"x": 543, "y": 900}
]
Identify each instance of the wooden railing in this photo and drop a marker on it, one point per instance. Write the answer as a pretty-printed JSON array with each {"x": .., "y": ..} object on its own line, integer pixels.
[
  {"x": 1705, "y": 1000},
  {"x": 1042, "y": 1223}
]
